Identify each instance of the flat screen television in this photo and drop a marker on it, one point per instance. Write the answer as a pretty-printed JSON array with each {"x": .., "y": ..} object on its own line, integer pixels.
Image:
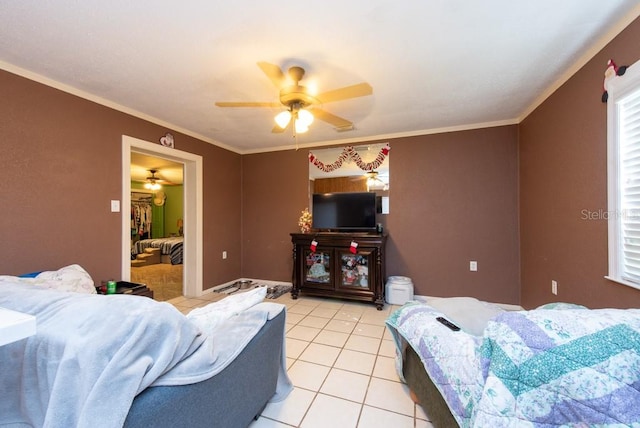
[{"x": 354, "y": 211}]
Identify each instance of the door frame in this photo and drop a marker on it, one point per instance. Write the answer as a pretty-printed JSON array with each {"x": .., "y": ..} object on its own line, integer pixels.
[{"x": 192, "y": 282}]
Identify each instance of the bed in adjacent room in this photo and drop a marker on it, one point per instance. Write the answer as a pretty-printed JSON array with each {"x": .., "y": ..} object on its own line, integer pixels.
[
  {"x": 558, "y": 365},
  {"x": 171, "y": 249}
]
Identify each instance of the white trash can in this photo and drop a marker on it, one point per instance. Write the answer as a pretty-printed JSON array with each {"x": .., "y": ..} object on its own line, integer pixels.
[{"x": 398, "y": 290}]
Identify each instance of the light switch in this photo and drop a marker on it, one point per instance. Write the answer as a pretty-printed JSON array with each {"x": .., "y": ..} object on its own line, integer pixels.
[
  {"x": 473, "y": 266},
  {"x": 115, "y": 206}
]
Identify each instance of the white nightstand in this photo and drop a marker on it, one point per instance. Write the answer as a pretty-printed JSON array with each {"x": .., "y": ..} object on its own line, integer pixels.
[{"x": 15, "y": 326}]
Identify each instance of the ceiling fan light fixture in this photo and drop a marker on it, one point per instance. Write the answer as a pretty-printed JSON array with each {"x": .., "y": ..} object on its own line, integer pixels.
[
  {"x": 375, "y": 182},
  {"x": 301, "y": 128},
  {"x": 296, "y": 98},
  {"x": 282, "y": 119},
  {"x": 305, "y": 117},
  {"x": 152, "y": 185}
]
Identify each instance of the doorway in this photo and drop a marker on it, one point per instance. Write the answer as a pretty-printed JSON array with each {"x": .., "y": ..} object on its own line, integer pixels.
[{"x": 192, "y": 225}]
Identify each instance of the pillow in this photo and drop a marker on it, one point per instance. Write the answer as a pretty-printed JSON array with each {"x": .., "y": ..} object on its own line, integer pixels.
[
  {"x": 468, "y": 313},
  {"x": 561, "y": 305},
  {"x": 69, "y": 278},
  {"x": 30, "y": 274}
]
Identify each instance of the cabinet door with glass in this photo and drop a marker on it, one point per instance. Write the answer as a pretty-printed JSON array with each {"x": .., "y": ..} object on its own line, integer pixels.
[
  {"x": 354, "y": 270},
  {"x": 318, "y": 268}
]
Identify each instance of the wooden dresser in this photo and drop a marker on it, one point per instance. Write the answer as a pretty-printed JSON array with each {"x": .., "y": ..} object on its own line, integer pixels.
[{"x": 332, "y": 269}]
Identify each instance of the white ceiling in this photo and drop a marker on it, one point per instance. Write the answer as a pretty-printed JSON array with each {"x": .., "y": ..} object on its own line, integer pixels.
[{"x": 433, "y": 64}]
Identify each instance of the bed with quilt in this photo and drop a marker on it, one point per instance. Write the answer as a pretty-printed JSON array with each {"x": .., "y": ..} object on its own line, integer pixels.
[
  {"x": 558, "y": 365},
  {"x": 170, "y": 248},
  {"x": 123, "y": 360}
]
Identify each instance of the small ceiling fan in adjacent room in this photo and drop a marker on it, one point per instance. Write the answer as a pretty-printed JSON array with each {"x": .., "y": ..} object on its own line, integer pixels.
[
  {"x": 153, "y": 182},
  {"x": 301, "y": 105}
]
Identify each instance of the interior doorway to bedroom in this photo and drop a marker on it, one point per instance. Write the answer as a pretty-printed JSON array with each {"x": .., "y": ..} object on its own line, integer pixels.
[
  {"x": 188, "y": 224},
  {"x": 157, "y": 237}
]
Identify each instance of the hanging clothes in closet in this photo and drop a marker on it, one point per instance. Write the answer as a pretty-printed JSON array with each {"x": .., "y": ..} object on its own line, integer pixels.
[{"x": 141, "y": 219}]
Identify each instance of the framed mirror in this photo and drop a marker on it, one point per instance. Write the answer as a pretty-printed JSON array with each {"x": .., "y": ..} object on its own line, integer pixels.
[{"x": 363, "y": 168}]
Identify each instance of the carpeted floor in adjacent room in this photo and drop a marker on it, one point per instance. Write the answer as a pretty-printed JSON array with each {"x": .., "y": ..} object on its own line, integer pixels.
[{"x": 164, "y": 279}]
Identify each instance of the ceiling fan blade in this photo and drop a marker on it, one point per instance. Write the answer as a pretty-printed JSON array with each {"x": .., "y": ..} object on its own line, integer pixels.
[
  {"x": 337, "y": 121},
  {"x": 273, "y": 72},
  {"x": 248, "y": 104},
  {"x": 353, "y": 91},
  {"x": 277, "y": 130}
]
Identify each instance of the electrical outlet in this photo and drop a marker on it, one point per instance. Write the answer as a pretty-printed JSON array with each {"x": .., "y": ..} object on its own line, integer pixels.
[
  {"x": 224, "y": 255},
  {"x": 473, "y": 266},
  {"x": 554, "y": 287}
]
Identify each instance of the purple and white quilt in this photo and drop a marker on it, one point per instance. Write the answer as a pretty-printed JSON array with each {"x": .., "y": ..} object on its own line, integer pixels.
[{"x": 539, "y": 368}]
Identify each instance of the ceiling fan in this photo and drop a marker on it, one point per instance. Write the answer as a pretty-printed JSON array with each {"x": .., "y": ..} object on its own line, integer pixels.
[
  {"x": 152, "y": 182},
  {"x": 301, "y": 105},
  {"x": 373, "y": 180}
]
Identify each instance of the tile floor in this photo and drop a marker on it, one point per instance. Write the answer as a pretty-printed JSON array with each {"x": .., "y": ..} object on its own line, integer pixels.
[{"x": 340, "y": 358}]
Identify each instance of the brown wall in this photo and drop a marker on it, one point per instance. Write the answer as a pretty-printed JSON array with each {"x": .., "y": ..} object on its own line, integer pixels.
[
  {"x": 61, "y": 165},
  {"x": 274, "y": 193},
  {"x": 563, "y": 171},
  {"x": 453, "y": 199}
]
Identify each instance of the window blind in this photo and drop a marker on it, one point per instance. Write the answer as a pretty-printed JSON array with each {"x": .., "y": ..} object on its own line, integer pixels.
[{"x": 629, "y": 134}]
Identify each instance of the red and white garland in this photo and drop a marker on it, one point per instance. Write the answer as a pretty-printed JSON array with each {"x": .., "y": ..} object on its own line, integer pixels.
[{"x": 349, "y": 153}]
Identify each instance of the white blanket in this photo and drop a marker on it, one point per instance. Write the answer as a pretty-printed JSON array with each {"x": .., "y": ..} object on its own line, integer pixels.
[
  {"x": 210, "y": 316},
  {"x": 69, "y": 278},
  {"x": 92, "y": 354}
]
